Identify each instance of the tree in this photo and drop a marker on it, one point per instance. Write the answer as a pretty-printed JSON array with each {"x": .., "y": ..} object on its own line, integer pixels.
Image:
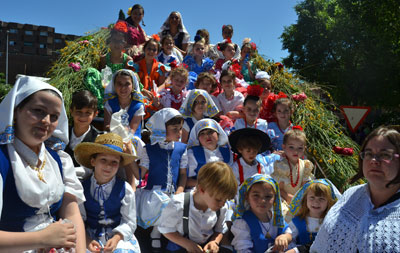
[{"x": 352, "y": 45}]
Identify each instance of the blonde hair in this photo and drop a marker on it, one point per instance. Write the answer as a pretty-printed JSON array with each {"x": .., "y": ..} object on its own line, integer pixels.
[
  {"x": 179, "y": 71},
  {"x": 295, "y": 134},
  {"x": 218, "y": 179},
  {"x": 319, "y": 190}
]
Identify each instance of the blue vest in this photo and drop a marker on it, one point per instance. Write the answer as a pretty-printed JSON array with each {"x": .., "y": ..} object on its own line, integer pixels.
[
  {"x": 158, "y": 168},
  {"x": 198, "y": 152},
  {"x": 190, "y": 123},
  {"x": 133, "y": 107},
  {"x": 304, "y": 236},
  {"x": 15, "y": 211},
  {"x": 260, "y": 243},
  {"x": 112, "y": 206}
]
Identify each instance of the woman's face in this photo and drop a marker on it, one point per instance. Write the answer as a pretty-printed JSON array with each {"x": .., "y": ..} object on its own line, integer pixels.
[
  {"x": 36, "y": 121},
  {"x": 137, "y": 16},
  {"x": 174, "y": 19},
  {"x": 123, "y": 86},
  {"x": 380, "y": 173}
]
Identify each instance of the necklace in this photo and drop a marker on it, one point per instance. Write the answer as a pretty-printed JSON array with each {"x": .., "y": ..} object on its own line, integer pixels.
[
  {"x": 291, "y": 173},
  {"x": 267, "y": 234},
  {"x": 39, "y": 171}
]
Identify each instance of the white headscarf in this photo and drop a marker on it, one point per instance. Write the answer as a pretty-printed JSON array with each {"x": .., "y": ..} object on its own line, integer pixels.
[
  {"x": 23, "y": 88},
  {"x": 109, "y": 91},
  {"x": 207, "y": 124},
  {"x": 181, "y": 26},
  {"x": 156, "y": 124},
  {"x": 186, "y": 108}
]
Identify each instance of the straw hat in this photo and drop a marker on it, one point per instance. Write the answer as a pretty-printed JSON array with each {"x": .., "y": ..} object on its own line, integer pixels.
[{"x": 109, "y": 143}]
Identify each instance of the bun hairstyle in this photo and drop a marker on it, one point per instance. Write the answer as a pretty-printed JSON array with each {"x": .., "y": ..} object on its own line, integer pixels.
[
  {"x": 222, "y": 46},
  {"x": 136, "y": 7},
  {"x": 167, "y": 37},
  {"x": 204, "y": 34}
]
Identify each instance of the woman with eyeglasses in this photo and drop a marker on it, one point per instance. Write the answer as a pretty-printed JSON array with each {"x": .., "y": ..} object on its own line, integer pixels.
[
  {"x": 367, "y": 217},
  {"x": 175, "y": 27}
]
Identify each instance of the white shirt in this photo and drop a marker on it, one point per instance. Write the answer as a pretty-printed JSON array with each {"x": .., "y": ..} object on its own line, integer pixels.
[
  {"x": 202, "y": 224},
  {"x": 261, "y": 125},
  {"x": 186, "y": 126},
  {"x": 242, "y": 241},
  {"x": 139, "y": 112},
  {"x": 73, "y": 140},
  {"x": 210, "y": 155},
  {"x": 36, "y": 193},
  {"x": 226, "y": 105},
  {"x": 127, "y": 225},
  {"x": 248, "y": 170}
]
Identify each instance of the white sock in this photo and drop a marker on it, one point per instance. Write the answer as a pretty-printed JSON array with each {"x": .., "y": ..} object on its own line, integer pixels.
[{"x": 155, "y": 234}]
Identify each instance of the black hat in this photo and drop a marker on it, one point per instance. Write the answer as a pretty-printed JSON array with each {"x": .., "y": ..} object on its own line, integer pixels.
[{"x": 247, "y": 132}]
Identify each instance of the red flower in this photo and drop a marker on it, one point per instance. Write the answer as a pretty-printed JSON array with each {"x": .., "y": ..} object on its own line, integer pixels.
[
  {"x": 121, "y": 26},
  {"x": 281, "y": 95},
  {"x": 173, "y": 64},
  {"x": 255, "y": 90},
  {"x": 253, "y": 45},
  {"x": 300, "y": 97},
  {"x": 156, "y": 37},
  {"x": 343, "y": 151},
  {"x": 75, "y": 66},
  {"x": 228, "y": 40},
  {"x": 297, "y": 128},
  {"x": 279, "y": 65}
]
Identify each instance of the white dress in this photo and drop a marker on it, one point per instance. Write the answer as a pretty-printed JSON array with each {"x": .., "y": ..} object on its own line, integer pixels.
[{"x": 226, "y": 105}]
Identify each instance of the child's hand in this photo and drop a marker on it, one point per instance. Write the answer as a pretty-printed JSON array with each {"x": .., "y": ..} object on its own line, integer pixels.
[
  {"x": 148, "y": 94},
  {"x": 94, "y": 246},
  {"x": 193, "y": 247},
  {"x": 281, "y": 242},
  {"x": 59, "y": 235},
  {"x": 112, "y": 243},
  {"x": 279, "y": 152},
  {"x": 211, "y": 247},
  {"x": 128, "y": 148}
]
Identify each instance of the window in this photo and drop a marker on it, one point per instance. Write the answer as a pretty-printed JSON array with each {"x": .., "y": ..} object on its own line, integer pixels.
[
  {"x": 42, "y": 46},
  {"x": 28, "y": 44},
  {"x": 57, "y": 40},
  {"x": 12, "y": 43},
  {"x": 28, "y": 32},
  {"x": 13, "y": 31},
  {"x": 44, "y": 33}
]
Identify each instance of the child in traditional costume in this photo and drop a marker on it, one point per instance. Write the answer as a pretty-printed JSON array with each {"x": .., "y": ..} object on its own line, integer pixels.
[
  {"x": 197, "y": 105},
  {"x": 196, "y": 61},
  {"x": 208, "y": 143},
  {"x": 230, "y": 99},
  {"x": 169, "y": 56},
  {"x": 109, "y": 211},
  {"x": 259, "y": 222},
  {"x": 165, "y": 160}
]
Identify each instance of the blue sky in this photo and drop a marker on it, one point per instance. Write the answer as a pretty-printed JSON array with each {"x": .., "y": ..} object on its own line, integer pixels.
[{"x": 261, "y": 20}]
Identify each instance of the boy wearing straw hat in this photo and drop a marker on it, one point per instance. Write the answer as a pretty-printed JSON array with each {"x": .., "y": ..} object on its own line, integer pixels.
[{"x": 110, "y": 210}]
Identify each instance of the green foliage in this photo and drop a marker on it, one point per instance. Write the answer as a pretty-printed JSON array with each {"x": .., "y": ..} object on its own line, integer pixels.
[
  {"x": 352, "y": 45},
  {"x": 4, "y": 87}
]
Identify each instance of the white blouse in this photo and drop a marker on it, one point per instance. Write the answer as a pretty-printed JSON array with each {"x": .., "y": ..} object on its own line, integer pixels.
[
  {"x": 202, "y": 224},
  {"x": 36, "y": 193},
  {"x": 127, "y": 225},
  {"x": 248, "y": 170},
  {"x": 230, "y": 105}
]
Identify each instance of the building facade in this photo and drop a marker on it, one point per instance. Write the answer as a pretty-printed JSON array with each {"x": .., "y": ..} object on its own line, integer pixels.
[{"x": 31, "y": 48}]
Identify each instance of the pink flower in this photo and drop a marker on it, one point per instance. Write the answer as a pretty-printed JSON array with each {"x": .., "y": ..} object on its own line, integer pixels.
[
  {"x": 83, "y": 42},
  {"x": 299, "y": 97},
  {"x": 343, "y": 151},
  {"x": 76, "y": 66}
]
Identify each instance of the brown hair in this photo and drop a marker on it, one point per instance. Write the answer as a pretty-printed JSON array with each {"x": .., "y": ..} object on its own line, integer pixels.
[
  {"x": 393, "y": 136},
  {"x": 229, "y": 73},
  {"x": 249, "y": 141},
  {"x": 178, "y": 119},
  {"x": 206, "y": 75},
  {"x": 167, "y": 37},
  {"x": 252, "y": 98},
  {"x": 82, "y": 99},
  {"x": 319, "y": 190},
  {"x": 295, "y": 134},
  {"x": 218, "y": 179},
  {"x": 283, "y": 101},
  {"x": 204, "y": 34},
  {"x": 179, "y": 71}
]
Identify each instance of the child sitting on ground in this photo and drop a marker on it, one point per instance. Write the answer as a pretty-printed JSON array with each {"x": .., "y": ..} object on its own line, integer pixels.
[
  {"x": 291, "y": 172},
  {"x": 309, "y": 207},
  {"x": 259, "y": 223},
  {"x": 173, "y": 96},
  {"x": 165, "y": 160},
  {"x": 195, "y": 221},
  {"x": 83, "y": 109},
  {"x": 197, "y": 105},
  {"x": 207, "y": 143},
  {"x": 109, "y": 210},
  {"x": 247, "y": 143}
]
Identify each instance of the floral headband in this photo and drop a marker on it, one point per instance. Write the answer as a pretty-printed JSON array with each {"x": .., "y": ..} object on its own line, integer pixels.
[
  {"x": 245, "y": 187},
  {"x": 297, "y": 198}
]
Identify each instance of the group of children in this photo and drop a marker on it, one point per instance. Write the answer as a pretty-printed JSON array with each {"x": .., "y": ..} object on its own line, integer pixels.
[{"x": 204, "y": 185}]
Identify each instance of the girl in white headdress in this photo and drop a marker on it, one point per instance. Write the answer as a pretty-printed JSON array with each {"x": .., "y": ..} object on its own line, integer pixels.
[
  {"x": 208, "y": 142},
  {"x": 165, "y": 160},
  {"x": 37, "y": 181},
  {"x": 197, "y": 105}
]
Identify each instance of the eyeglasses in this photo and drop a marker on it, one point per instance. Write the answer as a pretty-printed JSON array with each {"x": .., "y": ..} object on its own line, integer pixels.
[{"x": 381, "y": 156}]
